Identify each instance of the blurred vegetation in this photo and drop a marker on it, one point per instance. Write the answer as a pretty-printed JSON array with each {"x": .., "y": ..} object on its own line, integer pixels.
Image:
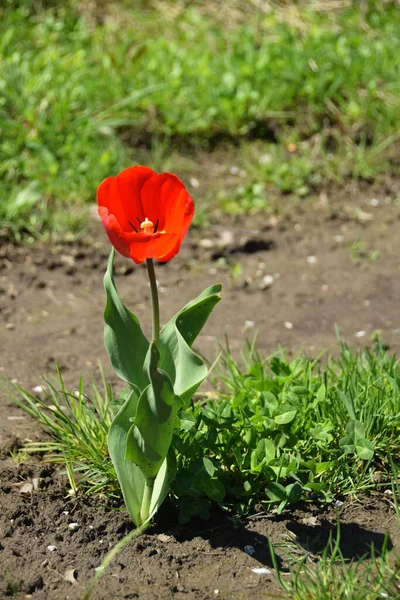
[{"x": 304, "y": 92}]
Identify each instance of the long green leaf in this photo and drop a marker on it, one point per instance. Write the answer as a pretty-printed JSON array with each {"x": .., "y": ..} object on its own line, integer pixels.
[
  {"x": 150, "y": 435},
  {"x": 129, "y": 475},
  {"x": 184, "y": 367},
  {"x": 124, "y": 339}
]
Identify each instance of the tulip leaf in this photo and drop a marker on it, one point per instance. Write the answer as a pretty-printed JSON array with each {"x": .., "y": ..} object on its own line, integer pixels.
[
  {"x": 185, "y": 368},
  {"x": 124, "y": 339},
  {"x": 150, "y": 435},
  {"x": 129, "y": 475}
]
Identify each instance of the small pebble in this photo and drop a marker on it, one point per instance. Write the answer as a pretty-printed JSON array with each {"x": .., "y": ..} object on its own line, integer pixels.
[
  {"x": 206, "y": 243},
  {"x": 338, "y": 238},
  {"x": 338, "y": 504},
  {"x": 360, "y": 334},
  {"x": 267, "y": 281},
  {"x": 10, "y": 326},
  {"x": 249, "y": 550},
  {"x": 51, "y": 548},
  {"x": 374, "y": 202},
  {"x": 26, "y": 488},
  {"x": 73, "y": 526},
  {"x": 249, "y": 324},
  {"x": 38, "y": 389},
  {"x": 261, "y": 571},
  {"x": 163, "y": 537},
  {"x": 311, "y": 260},
  {"x": 194, "y": 182},
  {"x": 288, "y": 325}
]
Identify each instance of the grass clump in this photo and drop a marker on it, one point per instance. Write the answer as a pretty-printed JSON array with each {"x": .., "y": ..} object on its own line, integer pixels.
[
  {"x": 277, "y": 432},
  {"x": 330, "y": 576}
]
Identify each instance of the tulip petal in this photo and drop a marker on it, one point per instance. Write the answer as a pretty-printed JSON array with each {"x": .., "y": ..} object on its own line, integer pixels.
[
  {"x": 164, "y": 197},
  {"x": 130, "y": 183},
  {"x": 115, "y": 234},
  {"x": 153, "y": 246}
]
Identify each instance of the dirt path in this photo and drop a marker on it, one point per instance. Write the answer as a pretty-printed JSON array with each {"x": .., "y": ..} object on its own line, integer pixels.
[{"x": 335, "y": 262}]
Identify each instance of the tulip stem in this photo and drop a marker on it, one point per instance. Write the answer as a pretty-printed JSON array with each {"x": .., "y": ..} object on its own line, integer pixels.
[
  {"x": 146, "y": 500},
  {"x": 154, "y": 300}
]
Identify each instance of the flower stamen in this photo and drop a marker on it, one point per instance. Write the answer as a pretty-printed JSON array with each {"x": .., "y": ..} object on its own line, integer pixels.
[{"x": 147, "y": 226}]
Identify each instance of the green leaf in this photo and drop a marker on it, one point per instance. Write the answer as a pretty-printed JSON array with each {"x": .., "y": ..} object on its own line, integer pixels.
[
  {"x": 294, "y": 492},
  {"x": 321, "y": 393},
  {"x": 124, "y": 339},
  {"x": 162, "y": 483},
  {"x": 286, "y": 414},
  {"x": 266, "y": 450},
  {"x": 364, "y": 449},
  {"x": 275, "y": 491},
  {"x": 185, "y": 368},
  {"x": 130, "y": 477},
  {"x": 188, "y": 421},
  {"x": 151, "y": 431},
  {"x": 214, "y": 489},
  {"x": 355, "y": 441}
]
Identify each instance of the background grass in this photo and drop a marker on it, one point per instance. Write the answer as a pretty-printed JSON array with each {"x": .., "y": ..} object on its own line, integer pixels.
[{"x": 302, "y": 93}]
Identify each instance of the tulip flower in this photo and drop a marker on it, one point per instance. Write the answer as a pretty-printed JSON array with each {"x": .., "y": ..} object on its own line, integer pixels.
[{"x": 146, "y": 216}]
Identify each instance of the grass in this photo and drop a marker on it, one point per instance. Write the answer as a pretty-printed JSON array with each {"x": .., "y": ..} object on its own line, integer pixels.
[
  {"x": 274, "y": 433},
  {"x": 314, "y": 93},
  {"x": 329, "y": 576}
]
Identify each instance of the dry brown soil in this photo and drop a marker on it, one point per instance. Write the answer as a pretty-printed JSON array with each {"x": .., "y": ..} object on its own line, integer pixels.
[{"x": 335, "y": 261}]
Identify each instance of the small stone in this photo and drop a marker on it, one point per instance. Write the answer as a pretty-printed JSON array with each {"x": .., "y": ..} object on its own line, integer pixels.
[
  {"x": 73, "y": 526},
  {"x": 51, "y": 548},
  {"x": 374, "y": 202},
  {"x": 225, "y": 238},
  {"x": 38, "y": 389},
  {"x": 261, "y": 571},
  {"x": 288, "y": 325},
  {"x": 194, "y": 182},
  {"x": 67, "y": 260},
  {"x": 70, "y": 576},
  {"x": 26, "y": 488},
  {"x": 10, "y": 326},
  {"x": 338, "y": 504},
  {"x": 234, "y": 170},
  {"x": 267, "y": 281},
  {"x": 164, "y": 537},
  {"x": 206, "y": 243},
  {"x": 249, "y": 550},
  {"x": 311, "y": 260},
  {"x": 338, "y": 238},
  {"x": 360, "y": 334},
  {"x": 216, "y": 592},
  {"x": 249, "y": 324}
]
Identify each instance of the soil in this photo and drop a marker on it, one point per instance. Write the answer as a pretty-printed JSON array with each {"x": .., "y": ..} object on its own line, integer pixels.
[{"x": 335, "y": 261}]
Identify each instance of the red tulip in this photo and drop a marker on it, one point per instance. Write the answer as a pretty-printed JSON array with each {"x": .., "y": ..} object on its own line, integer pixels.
[{"x": 145, "y": 215}]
